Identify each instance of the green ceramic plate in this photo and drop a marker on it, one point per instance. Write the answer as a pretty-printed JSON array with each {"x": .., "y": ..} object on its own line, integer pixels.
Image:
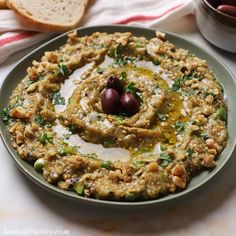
[{"x": 222, "y": 73}]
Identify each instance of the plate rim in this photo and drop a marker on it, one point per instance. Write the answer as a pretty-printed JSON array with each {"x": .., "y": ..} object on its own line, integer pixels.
[{"x": 69, "y": 195}]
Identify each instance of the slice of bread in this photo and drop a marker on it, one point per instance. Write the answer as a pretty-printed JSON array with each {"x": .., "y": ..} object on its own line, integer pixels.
[
  {"x": 49, "y": 15},
  {"x": 3, "y": 4}
]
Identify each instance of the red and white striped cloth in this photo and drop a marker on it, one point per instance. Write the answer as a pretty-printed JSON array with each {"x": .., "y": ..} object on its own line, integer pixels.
[{"x": 149, "y": 13}]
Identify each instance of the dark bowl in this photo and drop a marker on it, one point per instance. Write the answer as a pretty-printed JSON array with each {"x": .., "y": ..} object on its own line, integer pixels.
[{"x": 217, "y": 27}]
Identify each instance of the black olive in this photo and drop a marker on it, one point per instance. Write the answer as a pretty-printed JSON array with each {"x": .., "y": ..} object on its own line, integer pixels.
[
  {"x": 115, "y": 83},
  {"x": 129, "y": 103},
  {"x": 110, "y": 100}
]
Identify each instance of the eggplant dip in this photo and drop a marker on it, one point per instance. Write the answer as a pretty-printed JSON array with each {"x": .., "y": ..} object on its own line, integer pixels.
[{"x": 118, "y": 117}]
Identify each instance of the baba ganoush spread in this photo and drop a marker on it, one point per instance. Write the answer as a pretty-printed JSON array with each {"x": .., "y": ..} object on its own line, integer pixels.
[{"x": 118, "y": 117}]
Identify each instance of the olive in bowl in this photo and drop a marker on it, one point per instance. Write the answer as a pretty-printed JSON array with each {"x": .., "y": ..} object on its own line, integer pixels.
[{"x": 217, "y": 22}]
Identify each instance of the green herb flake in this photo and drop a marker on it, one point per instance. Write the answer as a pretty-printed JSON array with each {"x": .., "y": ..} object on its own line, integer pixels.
[
  {"x": 66, "y": 150},
  {"x": 189, "y": 152},
  {"x": 46, "y": 137},
  {"x": 73, "y": 129},
  {"x": 61, "y": 151},
  {"x": 58, "y": 99},
  {"x": 107, "y": 142},
  {"x": 120, "y": 119},
  {"x": 176, "y": 85},
  {"x": 39, "y": 120},
  {"x": 221, "y": 113},
  {"x": 138, "y": 164},
  {"x": 164, "y": 176},
  {"x": 164, "y": 163},
  {"x": 117, "y": 51},
  {"x": 180, "y": 126},
  {"x": 156, "y": 62},
  {"x": 64, "y": 70},
  {"x": 163, "y": 147},
  {"x": 204, "y": 136},
  {"x": 107, "y": 165},
  {"x": 162, "y": 117},
  {"x": 187, "y": 77},
  {"x": 43, "y": 138},
  {"x": 131, "y": 197},
  {"x": 5, "y": 114},
  {"x": 166, "y": 159},
  {"x": 140, "y": 44},
  {"x": 123, "y": 75},
  {"x": 29, "y": 82},
  {"x": 79, "y": 188},
  {"x": 130, "y": 88},
  {"x": 206, "y": 94},
  {"x": 100, "y": 70},
  {"x": 165, "y": 156},
  {"x": 193, "y": 122},
  {"x": 40, "y": 77},
  {"x": 66, "y": 136}
]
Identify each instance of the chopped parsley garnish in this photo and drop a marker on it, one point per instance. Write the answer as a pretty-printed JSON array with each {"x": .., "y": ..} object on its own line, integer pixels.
[
  {"x": 107, "y": 142},
  {"x": 79, "y": 188},
  {"x": 107, "y": 165},
  {"x": 166, "y": 159},
  {"x": 189, "y": 152},
  {"x": 29, "y": 82},
  {"x": 100, "y": 70},
  {"x": 163, "y": 147},
  {"x": 180, "y": 126},
  {"x": 138, "y": 164},
  {"x": 66, "y": 136},
  {"x": 205, "y": 94},
  {"x": 140, "y": 44},
  {"x": 120, "y": 119},
  {"x": 187, "y": 77},
  {"x": 123, "y": 75},
  {"x": 221, "y": 113},
  {"x": 73, "y": 129},
  {"x": 40, "y": 77},
  {"x": 66, "y": 150},
  {"x": 64, "y": 70},
  {"x": 130, "y": 88},
  {"x": 58, "y": 99},
  {"x": 45, "y": 137},
  {"x": 39, "y": 120},
  {"x": 204, "y": 136},
  {"x": 162, "y": 117},
  {"x": 100, "y": 46},
  {"x": 5, "y": 114},
  {"x": 164, "y": 176},
  {"x": 121, "y": 61},
  {"x": 117, "y": 51},
  {"x": 131, "y": 197},
  {"x": 193, "y": 122},
  {"x": 176, "y": 85},
  {"x": 156, "y": 62}
]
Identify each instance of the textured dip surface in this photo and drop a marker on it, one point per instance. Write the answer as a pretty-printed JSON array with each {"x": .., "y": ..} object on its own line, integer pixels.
[{"x": 56, "y": 120}]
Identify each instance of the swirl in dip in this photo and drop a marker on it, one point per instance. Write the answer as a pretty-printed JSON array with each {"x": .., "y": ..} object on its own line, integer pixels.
[{"x": 57, "y": 123}]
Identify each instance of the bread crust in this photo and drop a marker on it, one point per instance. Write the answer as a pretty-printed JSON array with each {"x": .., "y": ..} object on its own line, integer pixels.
[
  {"x": 3, "y": 4},
  {"x": 42, "y": 26}
]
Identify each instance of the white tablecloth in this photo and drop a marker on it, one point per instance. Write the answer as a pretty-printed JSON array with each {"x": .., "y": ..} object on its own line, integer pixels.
[{"x": 29, "y": 209}]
